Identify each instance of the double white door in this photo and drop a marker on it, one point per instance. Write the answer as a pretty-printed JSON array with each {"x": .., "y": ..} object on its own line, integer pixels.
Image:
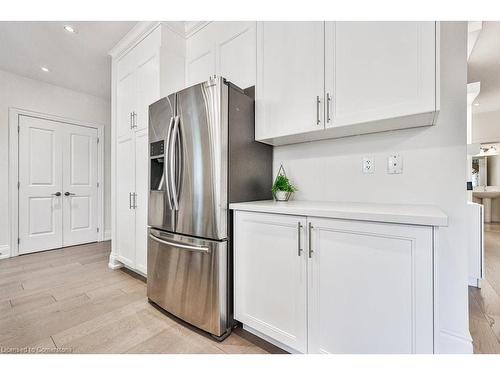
[{"x": 57, "y": 184}]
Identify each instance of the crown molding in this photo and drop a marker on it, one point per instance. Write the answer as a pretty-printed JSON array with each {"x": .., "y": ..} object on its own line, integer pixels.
[{"x": 134, "y": 36}]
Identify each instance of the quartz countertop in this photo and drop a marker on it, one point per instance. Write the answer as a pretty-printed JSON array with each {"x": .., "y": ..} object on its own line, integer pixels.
[{"x": 389, "y": 213}]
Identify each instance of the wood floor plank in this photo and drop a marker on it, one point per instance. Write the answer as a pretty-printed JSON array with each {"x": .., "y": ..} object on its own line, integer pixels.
[{"x": 68, "y": 299}]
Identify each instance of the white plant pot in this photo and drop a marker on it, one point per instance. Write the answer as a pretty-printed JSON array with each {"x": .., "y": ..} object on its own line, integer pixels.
[{"x": 282, "y": 196}]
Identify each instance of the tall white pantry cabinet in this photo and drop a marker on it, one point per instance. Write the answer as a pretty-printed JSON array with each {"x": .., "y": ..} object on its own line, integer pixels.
[{"x": 138, "y": 81}]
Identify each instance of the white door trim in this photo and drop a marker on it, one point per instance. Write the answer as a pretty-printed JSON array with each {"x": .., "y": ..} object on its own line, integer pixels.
[{"x": 14, "y": 114}]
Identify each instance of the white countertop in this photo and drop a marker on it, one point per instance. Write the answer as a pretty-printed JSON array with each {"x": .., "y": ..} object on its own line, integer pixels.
[{"x": 389, "y": 213}]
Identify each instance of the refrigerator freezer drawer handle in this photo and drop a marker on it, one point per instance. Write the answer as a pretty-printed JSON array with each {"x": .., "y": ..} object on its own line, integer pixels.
[{"x": 202, "y": 249}]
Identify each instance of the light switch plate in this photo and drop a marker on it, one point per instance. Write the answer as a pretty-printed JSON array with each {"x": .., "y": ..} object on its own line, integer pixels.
[
  {"x": 394, "y": 164},
  {"x": 368, "y": 164}
]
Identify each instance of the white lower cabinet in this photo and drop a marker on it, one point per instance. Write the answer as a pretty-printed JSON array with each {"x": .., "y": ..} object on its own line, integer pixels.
[
  {"x": 369, "y": 286},
  {"x": 270, "y": 284}
]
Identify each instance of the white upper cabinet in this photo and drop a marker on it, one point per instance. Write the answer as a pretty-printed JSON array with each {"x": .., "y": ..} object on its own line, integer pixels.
[
  {"x": 235, "y": 52},
  {"x": 290, "y": 78},
  {"x": 226, "y": 49},
  {"x": 318, "y": 80},
  {"x": 125, "y": 104},
  {"x": 148, "y": 90},
  {"x": 379, "y": 70}
]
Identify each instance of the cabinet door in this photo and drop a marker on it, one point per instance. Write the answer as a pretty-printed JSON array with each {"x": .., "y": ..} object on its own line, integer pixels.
[
  {"x": 125, "y": 216},
  {"x": 379, "y": 70},
  {"x": 200, "y": 55},
  {"x": 148, "y": 90},
  {"x": 141, "y": 200},
  {"x": 370, "y": 288},
  {"x": 125, "y": 105},
  {"x": 270, "y": 283},
  {"x": 236, "y": 52},
  {"x": 290, "y": 78}
]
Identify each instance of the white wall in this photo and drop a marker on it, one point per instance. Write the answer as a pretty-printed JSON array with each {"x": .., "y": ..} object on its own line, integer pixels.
[
  {"x": 486, "y": 127},
  {"x": 433, "y": 173},
  {"x": 25, "y": 93}
]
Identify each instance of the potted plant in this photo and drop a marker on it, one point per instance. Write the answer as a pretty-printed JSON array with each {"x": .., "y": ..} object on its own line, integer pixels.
[{"x": 282, "y": 188}]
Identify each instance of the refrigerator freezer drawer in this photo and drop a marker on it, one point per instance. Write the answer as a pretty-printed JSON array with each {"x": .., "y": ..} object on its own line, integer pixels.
[{"x": 188, "y": 278}]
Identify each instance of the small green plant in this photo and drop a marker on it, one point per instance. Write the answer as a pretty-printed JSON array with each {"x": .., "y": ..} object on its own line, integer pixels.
[{"x": 283, "y": 184}]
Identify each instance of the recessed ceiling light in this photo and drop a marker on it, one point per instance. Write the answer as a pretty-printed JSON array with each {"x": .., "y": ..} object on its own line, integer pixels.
[
  {"x": 69, "y": 29},
  {"x": 45, "y": 69}
]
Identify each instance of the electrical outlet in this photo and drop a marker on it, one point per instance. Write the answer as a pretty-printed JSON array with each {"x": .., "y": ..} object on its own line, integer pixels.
[
  {"x": 394, "y": 164},
  {"x": 368, "y": 164}
]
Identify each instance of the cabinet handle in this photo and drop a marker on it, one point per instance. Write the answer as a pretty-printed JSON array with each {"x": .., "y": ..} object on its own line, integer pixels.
[
  {"x": 310, "y": 240},
  {"x": 130, "y": 120},
  {"x": 318, "y": 101},
  {"x": 129, "y": 201},
  {"x": 328, "y": 100},
  {"x": 299, "y": 229},
  {"x": 134, "y": 119},
  {"x": 134, "y": 202}
]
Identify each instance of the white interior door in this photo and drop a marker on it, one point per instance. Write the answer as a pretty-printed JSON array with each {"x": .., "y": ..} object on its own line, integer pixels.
[
  {"x": 40, "y": 179},
  {"x": 79, "y": 185},
  {"x": 58, "y": 194}
]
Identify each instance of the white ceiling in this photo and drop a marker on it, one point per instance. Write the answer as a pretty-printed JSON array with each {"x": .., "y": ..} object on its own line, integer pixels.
[
  {"x": 484, "y": 66},
  {"x": 76, "y": 61}
]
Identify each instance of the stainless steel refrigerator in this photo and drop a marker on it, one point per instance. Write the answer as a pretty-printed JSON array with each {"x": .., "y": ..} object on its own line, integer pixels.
[{"x": 203, "y": 156}]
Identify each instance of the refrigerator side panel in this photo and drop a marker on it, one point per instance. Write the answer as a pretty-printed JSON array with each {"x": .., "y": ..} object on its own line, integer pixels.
[{"x": 250, "y": 162}]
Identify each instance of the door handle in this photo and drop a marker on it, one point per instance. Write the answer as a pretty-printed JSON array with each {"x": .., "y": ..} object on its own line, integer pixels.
[
  {"x": 318, "y": 102},
  {"x": 310, "y": 240},
  {"x": 57, "y": 194},
  {"x": 68, "y": 194},
  {"x": 175, "y": 132},
  {"x": 166, "y": 166},
  {"x": 328, "y": 100},
  {"x": 299, "y": 229},
  {"x": 202, "y": 249}
]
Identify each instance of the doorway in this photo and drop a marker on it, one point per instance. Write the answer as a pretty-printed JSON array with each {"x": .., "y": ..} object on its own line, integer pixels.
[{"x": 59, "y": 200}]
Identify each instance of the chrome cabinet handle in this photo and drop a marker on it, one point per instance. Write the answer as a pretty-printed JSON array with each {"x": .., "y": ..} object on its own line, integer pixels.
[
  {"x": 328, "y": 100},
  {"x": 202, "y": 249},
  {"x": 318, "y": 102},
  {"x": 134, "y": 119},
  {"x": 129, "y": 201},
  {"x": 175, "y": 132},
  {"x": 299, "y": 248},
  {"x": 166, "y": 165},
  {"x": 310, "y": 240},
  {"x": 134, "y": 201},
  {"x": 68, "y": 194},
  {"x": 130, "y": 120},
  {"x": 57, "y": 194}
]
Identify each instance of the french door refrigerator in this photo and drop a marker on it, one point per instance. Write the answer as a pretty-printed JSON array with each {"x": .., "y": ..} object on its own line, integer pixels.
[{"x": 203, "y": 156}]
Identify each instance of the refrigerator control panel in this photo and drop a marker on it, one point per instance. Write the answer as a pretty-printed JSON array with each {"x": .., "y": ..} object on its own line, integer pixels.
[{"x": 156, "y": 148}]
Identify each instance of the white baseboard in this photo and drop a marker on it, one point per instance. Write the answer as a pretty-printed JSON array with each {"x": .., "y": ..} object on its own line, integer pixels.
[
  {"x": 107, "y": 235},
  {"x": 474, "y": 282},
  {"x": 4, "y": 251},
  {"x": 114, "y": 263},
  {"x": 270, "y": 339},
  {"x": 454, "y": 343}
]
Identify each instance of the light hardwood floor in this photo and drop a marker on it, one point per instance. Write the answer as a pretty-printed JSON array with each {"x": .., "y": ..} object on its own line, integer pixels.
[
  {"x": 68, "y": 300},
  {"x": 484, "y": 303}
]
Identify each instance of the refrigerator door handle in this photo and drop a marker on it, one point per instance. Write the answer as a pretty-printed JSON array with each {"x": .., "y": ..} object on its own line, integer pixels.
[
  {"x": 166, "y": 164},
  {"x": 202, "y": 249},
  {"x": 171, "y": 160}
]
